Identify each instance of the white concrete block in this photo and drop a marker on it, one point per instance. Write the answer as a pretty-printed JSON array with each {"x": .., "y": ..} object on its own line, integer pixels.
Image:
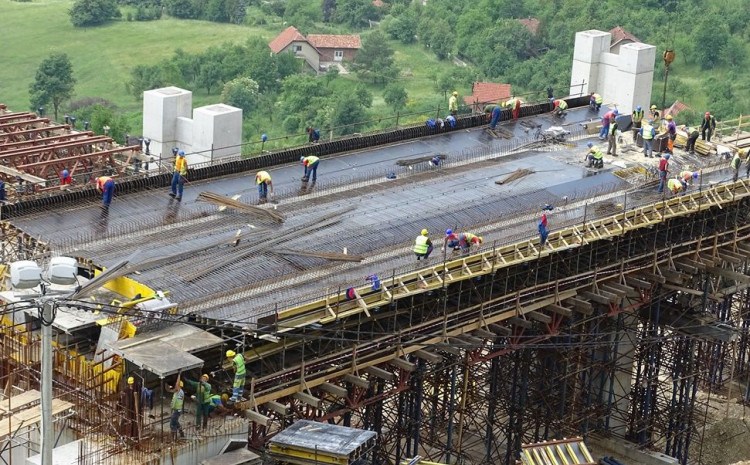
[
  {"x": 160, "y": 108},
  {"x": 589, "y": 45},
  {"x": 217, "y": 131},
  {"x": 583, "y": 73},
  {"x": 184, "y": 134},
  {"x": 637, "y": 58}
]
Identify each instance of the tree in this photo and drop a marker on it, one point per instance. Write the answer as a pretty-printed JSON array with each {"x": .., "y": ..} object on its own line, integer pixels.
[
  {"x": 329, "y": 9},
  {"x": 103, "y": 114},
  {"x": 216, "y": 11},
  {"x": 363, "y": 96},
  {"x": 346, "y": 114},
  {"x": 241, "y": 93},
  {"x": 143, "y": 78},
  {"x": 404, "y": 26},
  {"x": 712, "y": 35},
  {"x": 209, "y": 71},
  {"x": 355, "y": 13},
  {"x": 332, "y": 74},
  {"x": 375, "y": 59},
  {"x": 93, "y": 12},
  {"x": 395, "y": 95},
  {"x": 54, "y": 82},
  {"x": 180, "y": 8}
]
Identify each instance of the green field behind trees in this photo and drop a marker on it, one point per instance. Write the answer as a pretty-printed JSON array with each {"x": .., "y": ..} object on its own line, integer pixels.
[{"x": 405, "y": 68}]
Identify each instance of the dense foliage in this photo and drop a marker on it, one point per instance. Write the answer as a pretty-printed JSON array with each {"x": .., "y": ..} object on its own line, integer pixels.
[
  {"x": 93, "y": 12},
  {"x": 53, "y": 83}
]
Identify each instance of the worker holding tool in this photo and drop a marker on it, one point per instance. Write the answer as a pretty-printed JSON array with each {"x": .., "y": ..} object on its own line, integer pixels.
[
  {"x": 178, "y": 401},
  {"x": 313, "y": 135},
  {"x": 612, "y": 134},
  {"x": 265, "y": 185},
  {"x": 514, "y": 103},
  {"x": 708, "y": 125},
  {"x": 179, "y": 175},
  {"x": 238, "y": 363},
  {"x": 595, "y": 101},
  {"x": 202, "y": 397},
  {"x": 647, "y": 134},
  {"x": 735, "y": 164},
  {"x": 671, "y": 132},
  {"x": 637, "y": 118},
  {"x": 422, "y": 245},
  {"x": 467, "y": 240},
  {"x": 106, "y": 186},
  {"x": 453, "y": 104},
  {"x": 594, "y": 157},
  {"x": 692, "y": 136},
  {"x": 494, "y": 111},
  {"x": 663, "y": 171},
  {"x": 686, "y": 177},
  {"x": 450, "y": 241},
  {"x": 558, "y": 107},
  {"x": 310, "y": 163}
]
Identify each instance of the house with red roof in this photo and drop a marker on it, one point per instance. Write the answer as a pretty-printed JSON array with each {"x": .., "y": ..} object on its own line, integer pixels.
[
  {"x": 316, "y": 49},
  {"x": 484, "y": 93},
  {"x": 621, "y": 37},
  {"x": 675, "y": 109}
]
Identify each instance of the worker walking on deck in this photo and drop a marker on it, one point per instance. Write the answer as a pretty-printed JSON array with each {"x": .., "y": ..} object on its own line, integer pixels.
[
  {"x": 708, "y": 126},
  {"x": 559, "y": 107},
  {"x": 663, "y": 171},
  {"x": 543, "y": 229},
  {"x": 265, "y": 185},
  {"x": 612, "y": 136},
  {"x": 467, "y": 240},
  {"x": 179, "y": 175},
  {"x": 178, "y": 402},
  {"x": 453, "y": 104},
  {"x": 494, "y": 111},
  {"x": 692, "y": 136},
  {"x": 735, "y": 164},
  {"x": 106, "y": 186},
  {"x": 671, "y": 132},
  {"x": 238, "y": 363},
  {"x": 647, "y": 134},
  {"x": 595, "y": 101},
  {"x": 310, "y": 163},
  {"x": 203, "y": 399},
  {"x": 637, "y": 119},
  {"x": 594, "y": 157},
  {"x": 423, "y": 245}
]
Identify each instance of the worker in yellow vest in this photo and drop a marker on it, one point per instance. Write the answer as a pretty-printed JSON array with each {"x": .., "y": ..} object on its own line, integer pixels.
[
  {"x": 467, "y": 240},
  {"x": 686, "y": 177},
  {"x": 594, "y": 157},
  {"x": 647, "y": 134},
  {"x": 637, "y": 119},
  {"x": 310, "y": 163},
  {"x": 595, "y": 101},
  {"x": 179, "y": 175},
  {"x": 674, "y": 185},
  {"x": 453, "y": 104},
  {"x": 558, "y": 107},
  {"x": 265, "y": 185},
  {"x": 423, "y": 245}
]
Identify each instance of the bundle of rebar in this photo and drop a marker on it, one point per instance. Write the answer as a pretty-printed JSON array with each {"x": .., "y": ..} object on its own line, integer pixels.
[
  {"x": 228, "y": 202},
  {"x": 517, "y": 174},
  {"x": 414, "y": 161}
]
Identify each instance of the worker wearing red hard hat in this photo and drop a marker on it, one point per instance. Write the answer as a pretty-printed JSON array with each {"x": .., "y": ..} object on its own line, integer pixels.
[{"x": 708, "y": 125}]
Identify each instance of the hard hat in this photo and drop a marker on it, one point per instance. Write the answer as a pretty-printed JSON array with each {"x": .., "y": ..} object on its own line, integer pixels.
[
  {"x": 65, "y": 173},
  {"x": 181, "y": 153},
  {"x": 131, "y": 380},
  {"x": 479, "y": 238},
  {"x": 448, "y": 232},
  {"x": 204, "y": 376},
  {"x": 653, "y": 107},
  {"x": 181, "y": 384},
  {"x": 669, "y": 117},
  {"x": 425, "y": 232},
  {"x": 695, "y": 175},
  {"x": 230, "y": 353},
  {"x": 225, "y": 398},
  {"x": 302, "y": 158},
  {"x": 708, "y": 113},
  {"x": 666, "y": 156},
  {"x": 455, "y": 93},
  {"x": 638, "y": 108},
  {"x": 590, "y": 144},
  {"x": 616, "y": 112}
]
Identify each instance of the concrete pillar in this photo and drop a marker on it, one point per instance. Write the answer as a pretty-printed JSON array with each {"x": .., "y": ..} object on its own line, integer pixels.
[
  {"x": 589, "y": 46},
  {"x": 217, "y": 133},
  {"x": 161, "y": 109},
  {"x": 635, "y": 76},
  {"x": 623, "y": 376}
]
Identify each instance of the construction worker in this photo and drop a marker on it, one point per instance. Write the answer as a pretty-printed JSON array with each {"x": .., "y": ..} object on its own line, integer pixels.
[
  {"x": 310, "y": 163},
  {"x": 655, "y": 115},
  {"x": 514, "y": 103},
  {"x": 708, "y": 126},
  {"x": 495, "y": 111},
  {"x": 687, "y": 177},
  {"x": 594, "y": 157},
  {"x": 637, "y": 119},
  {"x": 663, "y": 171},
  {"x": 423, "y": 245},
  {"x": 558, "y": 107},
  {"x": 671, "y": 132},
  {"x": 218, "y": 403},
  {"x": 265, "y": 185},
  {"x": 612, "y": 136},
  {"x": 202, "y": 397},
  {"x": 735, "y": 164},
  {"x": 179, "y": 175},
  {"x": 606, "y": 120},
  {"x": 451, "y": 240},
  {"x": 675, "y": 185},
  {"x": 648, "y": 132},
  {"x": 129, "y": 399},
  {"x": 313, "y": 135},
  {"x": 106, "y": 186},
  {"x": 692, "y": 136},
  {"x": 744, "y": 155},
  {"x": 467, "y": 240},
  {"x": 238, "y": 363},
  {"x": 178, "y": 402},
  {"x": 595, "y": 101},
  {"x": 453, "y": 104},
  {"x": 543, "y": 229},
  {"x": 65, "y": 178}
]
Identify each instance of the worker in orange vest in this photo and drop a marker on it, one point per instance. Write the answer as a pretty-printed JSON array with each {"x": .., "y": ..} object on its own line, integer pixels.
[{"x": 106, "y": 186}]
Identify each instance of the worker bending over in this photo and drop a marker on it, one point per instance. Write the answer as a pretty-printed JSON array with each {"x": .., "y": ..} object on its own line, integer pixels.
[
  {"x": 594, "y": 157},
  {"x": 515, "y": 106},
  {"x": 238, "y": 363},
  {"x": 606, "y": 120},
  {"x": 423, "y": 246},
  {"x": 450, "y": 241},
  {"x": 675, "y": 185},
  {"x": 687, "y": 177},
  {"x": 735, "y": 164},
  {"x": 313, "y": 135},
  {"x": 467, "y": 240},
  {"x": 106, "y": 186},
  {"x": 179, "y": 175},
  {"x": 65, "y": 178},
  {"x": 692, "y": 136},
  {"x": 494, "y": 111},
  {"x": 310, "y": 163},
  {"x": 558, "y": 107},
  {"x": 595, "y": 101},
  {"x": 265, "y": 185}
]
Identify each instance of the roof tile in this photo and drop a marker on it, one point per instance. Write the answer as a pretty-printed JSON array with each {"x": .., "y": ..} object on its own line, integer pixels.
[
  {"x": 287, "y": 36},
  {"x": 487, "y": 92},
  {"x": 334, "y": 41}
]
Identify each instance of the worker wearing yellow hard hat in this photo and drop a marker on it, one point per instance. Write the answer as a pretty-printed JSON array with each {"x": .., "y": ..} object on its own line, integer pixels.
[
  {"x": 453, "y": 103},
  {"x": 423, "y": 245},
  {"x": 238, "y": 386},
  {"x": 178, "y": 402},
  {"x": 671, "y": 132}
]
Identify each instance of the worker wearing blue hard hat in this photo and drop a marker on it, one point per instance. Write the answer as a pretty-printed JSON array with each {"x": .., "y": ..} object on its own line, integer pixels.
[
  {"x": 450, "y": 241},
  {"x": 179, "y": 176}
]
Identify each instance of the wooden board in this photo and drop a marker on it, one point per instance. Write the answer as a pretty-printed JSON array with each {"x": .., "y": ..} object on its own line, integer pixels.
[
  {"x": 15, "y": 402},
  {"x": 30, "y": 416},
  {"x": 20, "y": 174}
]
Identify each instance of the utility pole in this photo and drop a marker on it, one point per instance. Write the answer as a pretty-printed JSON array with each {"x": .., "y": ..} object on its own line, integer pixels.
[{"x": 48, "y": 432}]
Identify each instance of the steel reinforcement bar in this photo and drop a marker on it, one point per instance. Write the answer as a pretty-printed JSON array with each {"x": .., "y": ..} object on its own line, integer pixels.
[{"x": 275, "y": 158}]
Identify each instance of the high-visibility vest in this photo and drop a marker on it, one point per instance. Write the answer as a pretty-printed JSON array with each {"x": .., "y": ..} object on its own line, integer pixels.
[
  {"x": 674, "y": 184},
  {"x": 453, "y": 103},
  {"x": 101, "y": 181},
  {"x": 596, "y": 152},
  {"x": 205, "y": 392},
  {"x": 647, "y": 131},
  {"x": 468, "y": 237},
  {"x": 239, "y": 365},
  {"x": 686, "y": 175},
  {"x": 310, "y": 160},
  {"x": 612, "y": 127},
  {"x": 262, "y": 177},
  {"x": 561, "y": 104},
  {"x": 420, "y": 245},
  {"x": 178, "y": 400},
  {"x": 180, "y": 165},
  {"x": 736, "y": 162},
  {"x": 637, "y": 116},
  {"x": 597, "y": 98}
]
